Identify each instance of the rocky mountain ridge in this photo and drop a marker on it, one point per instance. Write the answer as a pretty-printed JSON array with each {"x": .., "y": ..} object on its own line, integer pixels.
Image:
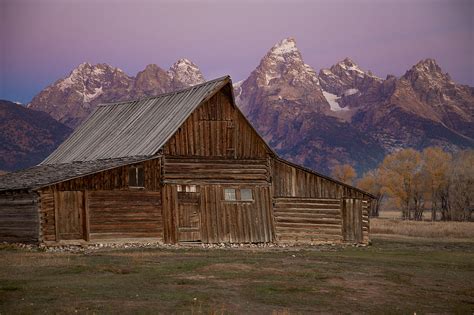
[
  {"x": 348, "y": 115},
  {"x": 70, "y": 100},
  {"x": 343, "y": 114}
]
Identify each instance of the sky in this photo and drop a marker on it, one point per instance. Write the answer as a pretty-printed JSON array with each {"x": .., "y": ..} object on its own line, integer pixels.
[{"x": 43, "y": 40}]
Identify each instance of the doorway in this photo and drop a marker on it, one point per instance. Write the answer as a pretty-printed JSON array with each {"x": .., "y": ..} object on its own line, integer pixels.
[
  {"x": 189, "y": 214},
  {"x": 69, "y": 211}
]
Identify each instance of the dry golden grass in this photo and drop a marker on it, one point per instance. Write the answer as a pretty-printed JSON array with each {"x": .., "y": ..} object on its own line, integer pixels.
[{"x": 458, "y": 230}]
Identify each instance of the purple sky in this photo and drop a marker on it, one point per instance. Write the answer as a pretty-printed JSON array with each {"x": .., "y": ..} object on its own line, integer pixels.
[{"x": 42, "y": 41}]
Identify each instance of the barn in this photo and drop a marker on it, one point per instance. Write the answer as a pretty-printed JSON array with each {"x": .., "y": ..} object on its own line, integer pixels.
[{"x": 185, "y": 166}]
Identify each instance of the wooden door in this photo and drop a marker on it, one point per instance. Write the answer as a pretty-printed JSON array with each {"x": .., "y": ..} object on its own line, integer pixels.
[
  {"x": 69, "y": 210},
  {"x": 189, "y": 217},
  {"x": 352, "y": 220}
]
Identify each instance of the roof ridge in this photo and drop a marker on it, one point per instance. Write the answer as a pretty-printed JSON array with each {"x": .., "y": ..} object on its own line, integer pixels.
[{"x": 166, "y": 94}]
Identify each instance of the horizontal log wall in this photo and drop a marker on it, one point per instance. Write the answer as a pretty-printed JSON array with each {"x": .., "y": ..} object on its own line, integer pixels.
[
  {"x": 307, "y": 220},
  {"x": 290, "y": 181},
  {"x": 47, "y": 216},
  {"x": 211, "y": 170},
  {"x": 130, "y": 214},
  {"x": 19, "y": 217},
  {"x": 217, "y": 128},
  {"x": 365, "y": 220}
]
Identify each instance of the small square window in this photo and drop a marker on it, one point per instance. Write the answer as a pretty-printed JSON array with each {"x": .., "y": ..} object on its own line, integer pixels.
[
  {"x": 229, "y": 194},
  {"x": 179, "y": 188},
  {"x": 246, "y": 194},
  {"x": 191, "y": 188}
]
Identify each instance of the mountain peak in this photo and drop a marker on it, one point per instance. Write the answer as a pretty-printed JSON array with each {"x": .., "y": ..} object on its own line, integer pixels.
[
  {"x": 187, "y": 72},
  {"x": 152, "y": 68},
  {"x": 428, "y": 72},
  {"x": 84, "y": 65},
  {"x": 348, "y": 62},
  {"x": 285, "y": 46},
  {"x": 284, "y": 62},
  {"x": 427, "y": 65}
]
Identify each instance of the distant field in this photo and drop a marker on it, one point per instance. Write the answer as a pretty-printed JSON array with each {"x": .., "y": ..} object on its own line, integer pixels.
[
  {"x": 391, "y": 276},
  {"x": 428, "y": 229}
]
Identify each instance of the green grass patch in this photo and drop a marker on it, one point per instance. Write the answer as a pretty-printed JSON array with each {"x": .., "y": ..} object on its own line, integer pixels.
[{"x": 391, "y": 276}]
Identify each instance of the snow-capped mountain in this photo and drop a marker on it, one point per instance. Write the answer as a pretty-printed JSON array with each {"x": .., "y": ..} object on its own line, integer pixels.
[
  {"x": 283, "y": 99},
  {"x": 185, "y": 73},
  {"x": 423, "y": 107},
  {"x": 348, "y": 115},
  {"x": 70, "y": 100},
  {"x": 282, "y": 77},
  {"x": 347, "y": 78}
]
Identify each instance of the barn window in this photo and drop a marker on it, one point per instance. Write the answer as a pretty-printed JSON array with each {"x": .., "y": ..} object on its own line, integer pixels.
[
  {"x": 136, "y": 176},
  {"x": 190, "y": 188},
  {"x": 246, "y": 194},
  {"x": 229, "y": 194},
  {"x": 186, "y": 188}
]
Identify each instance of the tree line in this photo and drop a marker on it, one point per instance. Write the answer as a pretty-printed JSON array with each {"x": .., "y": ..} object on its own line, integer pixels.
[{"x": 432, "y": 179}]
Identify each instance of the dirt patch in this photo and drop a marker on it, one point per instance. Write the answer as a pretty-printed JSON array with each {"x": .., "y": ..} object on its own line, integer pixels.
[{"x": 226, "y": 267}]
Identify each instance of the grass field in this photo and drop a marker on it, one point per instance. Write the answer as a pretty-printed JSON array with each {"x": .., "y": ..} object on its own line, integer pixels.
[
  {"x": 390, "y": 276},
  {"x": 426, "y": 229}
]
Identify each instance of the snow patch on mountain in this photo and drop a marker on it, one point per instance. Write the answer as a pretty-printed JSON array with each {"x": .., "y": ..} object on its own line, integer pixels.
[
  {"x": 349, "y": 92},
  {"x": 285, "y": 46},
  {"x": 332, "y": 100},
  {"x": 66, "y": 83},
  {"x": 90, "y": 96}
]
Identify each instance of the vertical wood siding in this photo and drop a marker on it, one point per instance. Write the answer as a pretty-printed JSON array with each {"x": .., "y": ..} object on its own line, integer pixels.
[
  {"x": 113, "y": 179},
  {"x": 236, "y": 222},
  {"x": 224, "y": 221},
  {"x": 289, "y": 181},
  {"x": 217, "y": 129}
]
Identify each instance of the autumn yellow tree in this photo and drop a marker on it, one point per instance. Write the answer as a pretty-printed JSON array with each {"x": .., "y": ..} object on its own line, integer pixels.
[
  {"x": 436, "y": 172},
  {"x": 344, "y": 173},
  {"x": 401, "y": 179},
  {"x": 461, "y": 188},
  {"x": 372, "y": 182}
]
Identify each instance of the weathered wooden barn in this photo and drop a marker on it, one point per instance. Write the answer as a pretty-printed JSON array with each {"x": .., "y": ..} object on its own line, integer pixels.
[{"x": 180, "y": 167}]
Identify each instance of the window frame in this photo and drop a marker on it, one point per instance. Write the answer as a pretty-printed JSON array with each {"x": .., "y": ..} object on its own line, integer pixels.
[
  {"x": 187, "y": 188},
  {"x": 251, "y": 194},
  {"x": 238, "y": 195},
  {"x": 136, "y": 170},
  {"x": 234, "y": 193}
]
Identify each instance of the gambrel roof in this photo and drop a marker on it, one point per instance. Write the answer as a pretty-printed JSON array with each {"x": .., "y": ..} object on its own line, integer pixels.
[{"x": 133, "y": 128}]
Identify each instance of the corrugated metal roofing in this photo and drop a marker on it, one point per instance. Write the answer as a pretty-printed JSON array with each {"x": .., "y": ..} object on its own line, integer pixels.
[
  {"x": 135, "y": 128},
  {"x": 45, "y": 175}
]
